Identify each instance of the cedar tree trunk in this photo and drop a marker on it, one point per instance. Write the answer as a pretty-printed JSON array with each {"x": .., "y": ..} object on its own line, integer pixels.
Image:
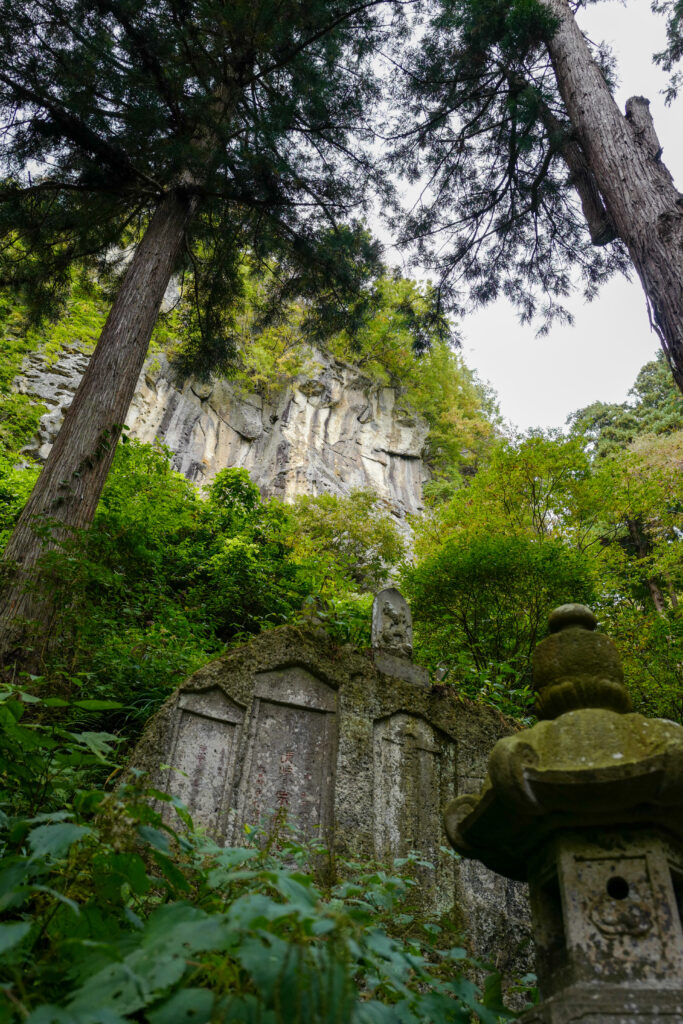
[
  {"x": 643, "y": 547},
  {"x": 623, "y": 154},
  {"x": 69, "y": 486}
]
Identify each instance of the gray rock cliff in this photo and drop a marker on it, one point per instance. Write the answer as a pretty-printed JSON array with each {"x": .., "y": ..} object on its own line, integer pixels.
[{"x": 332, "y": 433}]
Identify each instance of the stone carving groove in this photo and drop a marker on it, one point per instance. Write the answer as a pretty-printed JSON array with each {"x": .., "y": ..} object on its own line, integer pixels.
[
  {"x": 289, "y": 764},
  {"x": 414, "y": 772}
]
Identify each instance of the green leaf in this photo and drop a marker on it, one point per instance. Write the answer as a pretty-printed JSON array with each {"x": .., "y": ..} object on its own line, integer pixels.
[
  {"x": 58, "y": 896},
  {"x": 54, "y": 840},
  {"x": 48, "y": 1014},
  {"x": 189, "y": 1006},
  {"x": 373, "y": 1012},
  {"x": 97, "y": 705},
  {"x": 155, "y": 838},
  {"x": 184, "y": 927},
  {"x": 115, "y": 987},
  {"x": 171, "y": 872},
  {"x": 264, "y": 961},
  {"x": 12, "y": 934},
  {"x": 100, "y": 743}
]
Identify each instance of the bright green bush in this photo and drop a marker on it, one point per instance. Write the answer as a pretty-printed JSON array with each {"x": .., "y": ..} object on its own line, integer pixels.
[
  {"x": 347, "y": 542},
  {"x": 481, "y": 604},
  {"x": 166, "y": 576},
  {"x": 163, "y": 579}
]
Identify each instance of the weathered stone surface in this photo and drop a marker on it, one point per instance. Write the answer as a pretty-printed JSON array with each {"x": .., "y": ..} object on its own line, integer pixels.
[
  {"x": 292, "y": 722},
  {"x": 392, "y": 638},
  {"x": 333, "y": 434},
  {"x": 577, "y": 668},
  {"x": 392, "y": 623},
  {"x": 588, "y": 807},
  {"x": 400, "y": 668},
  {"x": 608, "y": 928},
  {"x": 612, "y": 1004}
]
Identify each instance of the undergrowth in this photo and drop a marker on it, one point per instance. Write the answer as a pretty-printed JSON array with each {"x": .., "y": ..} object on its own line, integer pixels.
[{"x": 110, "y": 914}]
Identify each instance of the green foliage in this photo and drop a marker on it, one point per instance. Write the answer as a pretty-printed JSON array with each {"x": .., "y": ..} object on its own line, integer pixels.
[
  {"x": 163, "y": 579},
  {"x": 79, "y": 324},
  {"x": 650, "y": 646},
  {"x": 267, "y": 157},
  {"x": 109, "y": 914},
  {"x": 481, "y": 604},
  {"x": 609, "y": 498},
  {"x": 672, "y": 54},
  {"x": 345, "y": 540},
  {"x": 407, "y": 342},
  {"x": 656, "y": 408},
  {"x": 166, "y": 576}
]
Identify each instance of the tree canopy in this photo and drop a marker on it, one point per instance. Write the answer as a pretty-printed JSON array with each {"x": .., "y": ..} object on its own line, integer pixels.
[
  {"x": 493, "y": 150},
  {"x": 248, "y": 106}
]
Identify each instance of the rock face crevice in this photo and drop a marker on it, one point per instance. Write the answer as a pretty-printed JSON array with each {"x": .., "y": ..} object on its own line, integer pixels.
[{"x": 335, "y": 432}]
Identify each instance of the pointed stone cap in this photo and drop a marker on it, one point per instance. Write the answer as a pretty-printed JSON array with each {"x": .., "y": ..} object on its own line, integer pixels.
[{"x": 575, "y": 667}]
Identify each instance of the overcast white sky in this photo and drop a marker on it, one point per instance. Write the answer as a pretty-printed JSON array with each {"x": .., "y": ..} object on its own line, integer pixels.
[{"x": 539, "y": 381}]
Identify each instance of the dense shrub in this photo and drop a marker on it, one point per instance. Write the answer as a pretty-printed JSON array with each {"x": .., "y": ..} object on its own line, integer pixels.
[{"x": 481, "y": 604}]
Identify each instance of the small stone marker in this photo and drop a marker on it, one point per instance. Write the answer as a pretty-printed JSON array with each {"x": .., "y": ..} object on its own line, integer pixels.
[
  {"x": 392, "y": 638},
  {"x": 588, "y": 806}
]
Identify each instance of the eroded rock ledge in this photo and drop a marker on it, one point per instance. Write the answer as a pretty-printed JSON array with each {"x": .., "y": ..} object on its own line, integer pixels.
[{"x": 332, "y": 433}]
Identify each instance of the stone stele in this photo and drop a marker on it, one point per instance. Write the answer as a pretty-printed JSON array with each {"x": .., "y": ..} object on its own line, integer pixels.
[
  {"x": 360, "y": 757},
  {"x": 392, "y": 637},
  {"x": 588, "y": 807}
]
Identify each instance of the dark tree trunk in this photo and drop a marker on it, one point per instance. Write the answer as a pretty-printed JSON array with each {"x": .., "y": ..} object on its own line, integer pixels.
[
  {"x": 69, "y": 487},
  {"x": 643, "y": 547},
  {"x": 624, "y": 157}
]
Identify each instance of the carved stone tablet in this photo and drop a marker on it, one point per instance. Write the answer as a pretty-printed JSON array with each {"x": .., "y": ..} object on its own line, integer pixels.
[
  {"x": 392, "y": 624},
  {"x": 414, "y": 765},
  {"x": 203, "y": 754},
  {"x": 406, "y": 783},
  {"x": 292, "y": 751}
]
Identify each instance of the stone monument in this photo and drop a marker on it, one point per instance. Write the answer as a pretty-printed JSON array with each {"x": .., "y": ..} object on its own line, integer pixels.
[
  {"x": 354, "y": 746},
  {"x": 392, "y": 638},
  {"x": 588, "y": 806}
]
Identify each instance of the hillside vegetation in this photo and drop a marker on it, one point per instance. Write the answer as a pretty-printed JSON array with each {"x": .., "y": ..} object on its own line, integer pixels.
[
  {"x": 143, "y": 919},
  {"x": 112, "y": 914}
]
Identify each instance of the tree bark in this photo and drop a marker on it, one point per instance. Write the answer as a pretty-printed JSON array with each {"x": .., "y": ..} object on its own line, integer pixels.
[
  {"x": 624, "y": 156},
  {"x": 68, "y": 489},
  {"x": 642, "y": 546}
]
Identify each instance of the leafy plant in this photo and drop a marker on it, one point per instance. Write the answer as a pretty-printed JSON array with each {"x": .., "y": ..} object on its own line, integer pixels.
[
  {"x": 109, "y": 914},
  {"x": 481, "y": 605}
]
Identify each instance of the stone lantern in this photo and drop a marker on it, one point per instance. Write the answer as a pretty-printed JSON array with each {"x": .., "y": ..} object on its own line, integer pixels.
[{"x": 587, "y": 806}]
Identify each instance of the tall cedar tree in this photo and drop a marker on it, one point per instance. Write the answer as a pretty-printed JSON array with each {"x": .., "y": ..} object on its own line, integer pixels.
[
  {"x": 514, "y": 112},
  {"x": 197, "y": 128}
]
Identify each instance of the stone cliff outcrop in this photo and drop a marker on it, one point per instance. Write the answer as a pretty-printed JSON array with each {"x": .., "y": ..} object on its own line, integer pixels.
[{"x": 334, "y": 432}]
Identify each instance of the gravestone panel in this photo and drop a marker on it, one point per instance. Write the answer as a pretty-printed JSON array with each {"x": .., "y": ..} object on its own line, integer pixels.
[
  {"x": 203, "y": 754},
  {"x": 414, "y": 770},
  {"x": 292, "y": 750},
  {"x": 348, "y": 745}
]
